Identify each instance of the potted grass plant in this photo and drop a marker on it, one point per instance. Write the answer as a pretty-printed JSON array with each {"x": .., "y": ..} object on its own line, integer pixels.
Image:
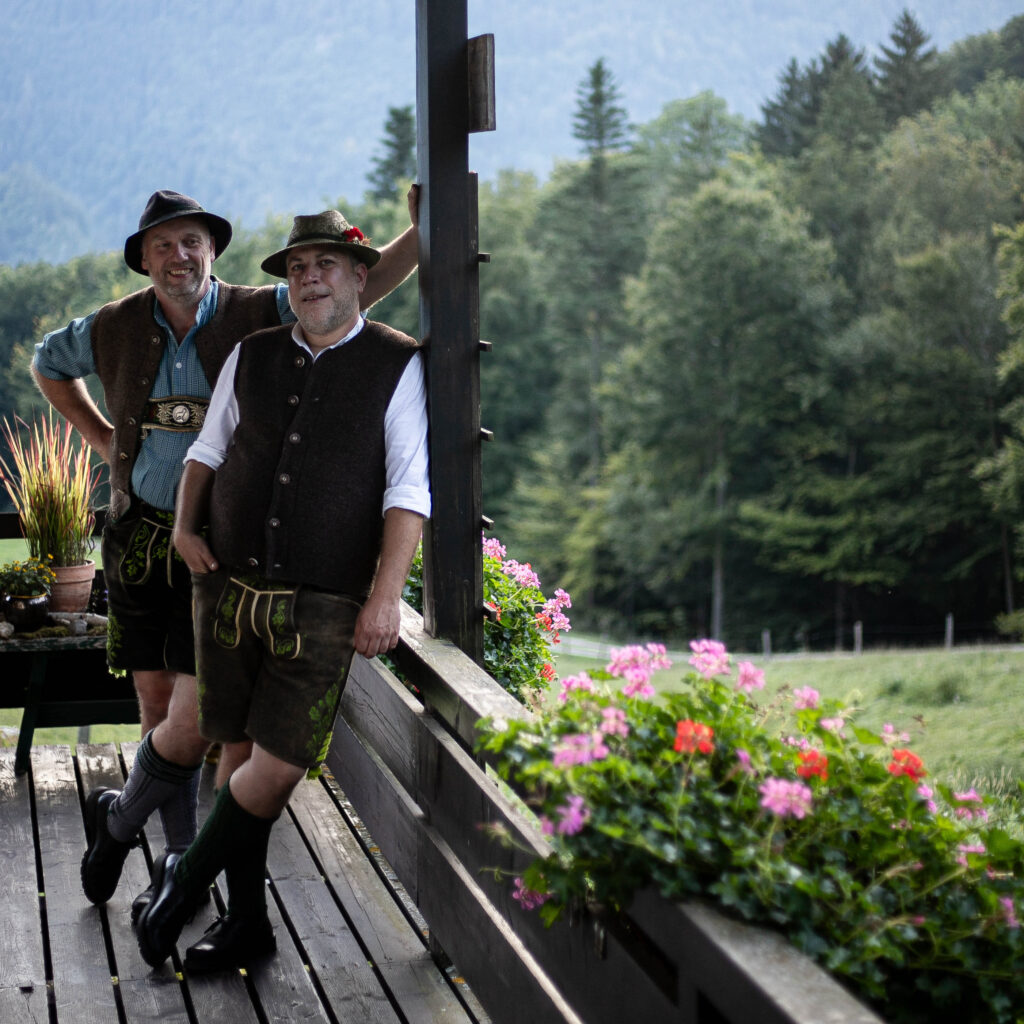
[{"x": 52, "y": 483}]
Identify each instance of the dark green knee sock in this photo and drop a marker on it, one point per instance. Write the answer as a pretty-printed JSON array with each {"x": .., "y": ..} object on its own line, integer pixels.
[{"x": 231, "y": 840}]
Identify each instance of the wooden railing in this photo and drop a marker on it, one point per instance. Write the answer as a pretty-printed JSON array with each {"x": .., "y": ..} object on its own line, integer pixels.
[{"x": 405, "y": 764}]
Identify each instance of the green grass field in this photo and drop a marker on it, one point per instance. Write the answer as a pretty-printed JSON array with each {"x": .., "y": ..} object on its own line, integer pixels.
[
  {"x": 15, "y": 550},
  {"x": 963, "y": 709}
]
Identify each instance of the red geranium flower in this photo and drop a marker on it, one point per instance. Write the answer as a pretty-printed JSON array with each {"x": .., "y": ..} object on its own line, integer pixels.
[
  {"x": 812, "y": 762},
  {"x": 691, "y": 736},
  {"x": 353, "y": 234},
  {"x": 904, "y": 762}
]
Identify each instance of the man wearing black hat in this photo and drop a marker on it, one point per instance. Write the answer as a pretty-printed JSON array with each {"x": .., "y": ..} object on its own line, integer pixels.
[
  {"x": 157, "y": 353},
  {"x": 311, "y": 473}
]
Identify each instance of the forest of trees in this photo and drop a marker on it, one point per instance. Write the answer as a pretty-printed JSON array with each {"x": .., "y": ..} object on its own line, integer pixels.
[{"x": 744, "y": 376}]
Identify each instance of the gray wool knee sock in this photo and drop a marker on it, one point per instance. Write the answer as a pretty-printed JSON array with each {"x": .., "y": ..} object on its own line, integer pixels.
[
  {"x": 178, "y": 814},
  {"x": 153, "y": 781}
]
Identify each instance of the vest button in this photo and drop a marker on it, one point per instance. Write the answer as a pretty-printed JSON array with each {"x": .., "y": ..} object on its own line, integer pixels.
[
  {"x": 254, "y": 562},
  {"x": 293, "y": 399},
  {"x": 284, "y": 478},
  {"x": 300, "y": 360},
  {"x": 274, "y": 523},
  {"x": 143, "y": 380},
  {"x": 295, "y": 438},
  {"x": 123, "y": 456},
  {"x": 131, "y": 421},
  {"x": 155, "y": 339}
]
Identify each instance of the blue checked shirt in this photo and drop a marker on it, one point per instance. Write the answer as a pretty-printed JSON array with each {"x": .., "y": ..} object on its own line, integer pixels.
[{"x": 67, "y": 354}]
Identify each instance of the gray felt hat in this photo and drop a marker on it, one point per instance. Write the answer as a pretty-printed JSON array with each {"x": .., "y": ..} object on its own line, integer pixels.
[
  {"x": 164, "y": 206},
  {"x": 327, "y": 228}
]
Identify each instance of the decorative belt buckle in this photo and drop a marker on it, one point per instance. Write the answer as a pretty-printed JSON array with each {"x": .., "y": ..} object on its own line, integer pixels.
[{"x": 181, "y": 414}]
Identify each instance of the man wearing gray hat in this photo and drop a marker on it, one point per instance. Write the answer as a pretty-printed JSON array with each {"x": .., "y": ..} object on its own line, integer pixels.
[
  {"x": 157, "y": 353},
  {"x": 311, "y": 475}
]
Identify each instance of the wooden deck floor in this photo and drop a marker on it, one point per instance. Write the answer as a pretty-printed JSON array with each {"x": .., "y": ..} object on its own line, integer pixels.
[{"x": 348, "y": 949}]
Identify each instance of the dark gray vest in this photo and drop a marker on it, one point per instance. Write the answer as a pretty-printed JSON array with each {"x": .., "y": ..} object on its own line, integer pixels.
[{"x": 299, "y": 496}]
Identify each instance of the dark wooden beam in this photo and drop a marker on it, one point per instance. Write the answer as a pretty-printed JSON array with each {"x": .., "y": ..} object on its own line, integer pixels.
[{"x": 449, "y": 325}]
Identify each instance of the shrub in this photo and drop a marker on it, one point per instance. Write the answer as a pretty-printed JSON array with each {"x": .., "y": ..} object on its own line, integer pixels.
[
  {"x": 787, "y": 814},
  {"x": 521, "y": 626}
]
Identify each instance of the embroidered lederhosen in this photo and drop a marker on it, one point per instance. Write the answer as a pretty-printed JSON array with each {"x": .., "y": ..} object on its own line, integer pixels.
[{"x": 271, "y": 615}]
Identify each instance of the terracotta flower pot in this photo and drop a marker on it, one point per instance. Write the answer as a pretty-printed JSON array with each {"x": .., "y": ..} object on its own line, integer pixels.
[{"x": 74, "y": 585}]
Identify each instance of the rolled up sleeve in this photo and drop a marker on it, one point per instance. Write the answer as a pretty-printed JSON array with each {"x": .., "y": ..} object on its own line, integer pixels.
[
  {"x": 67, "y": 354},
  {"x": 407, "y": 464}
]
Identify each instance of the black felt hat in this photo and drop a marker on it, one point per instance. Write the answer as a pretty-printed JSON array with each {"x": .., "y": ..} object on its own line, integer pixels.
[
  {"x": 327, "y": 228},
  {"x": 164, "y": 206}
]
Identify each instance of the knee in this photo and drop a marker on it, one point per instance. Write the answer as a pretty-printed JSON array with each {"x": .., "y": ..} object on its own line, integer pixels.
[{"x": 154, "y": 691}]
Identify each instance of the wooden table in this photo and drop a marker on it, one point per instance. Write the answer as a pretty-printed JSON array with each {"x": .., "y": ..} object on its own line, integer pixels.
[{"x": 60, "y": 681}]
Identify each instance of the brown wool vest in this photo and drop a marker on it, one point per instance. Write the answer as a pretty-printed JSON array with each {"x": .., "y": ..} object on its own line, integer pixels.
[
  {"x": 299, "y": 496},
  {"x": 127, "y": 346}
]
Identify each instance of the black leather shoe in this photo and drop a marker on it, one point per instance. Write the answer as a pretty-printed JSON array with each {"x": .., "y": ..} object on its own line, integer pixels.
[
  {"x": 144, "y": 898},
  {"x": 104, "y": 855},
  {"x": 161, "y": 922},
  {"x": 231, "y": 942},
  {"x": 140, "y": 903}
]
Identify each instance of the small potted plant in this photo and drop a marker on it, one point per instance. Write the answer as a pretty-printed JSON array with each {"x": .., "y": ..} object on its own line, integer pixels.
[
  {"x": 52, "y": 483},
  {"x": 25, "y": 587}
]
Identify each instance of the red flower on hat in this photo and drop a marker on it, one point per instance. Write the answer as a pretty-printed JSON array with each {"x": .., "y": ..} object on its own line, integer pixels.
[{"x": 353, "y": 234}]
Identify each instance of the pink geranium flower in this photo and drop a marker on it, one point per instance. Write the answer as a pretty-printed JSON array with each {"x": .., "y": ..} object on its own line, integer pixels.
[
  {"x": 614, "y": 723},
  {"x": 580, "y": 748},
  {"x": 529, "y": 899},
  {"x": 636, "y": 664},
  {"x": 572, "y": 816},
  {"x": 493, "y": 548},
  {"x": 784, "y": 798},
  {"x": 710, "y": 658},
  {"x": 572, "y": 684},
  {"x": 750, "y": 677},
  {"x": 806, "y": 698}
]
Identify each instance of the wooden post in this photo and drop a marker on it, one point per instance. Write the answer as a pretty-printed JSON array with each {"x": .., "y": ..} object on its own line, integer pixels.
[
  {"x": 949, "y": 631},
  {"x": 858, "y": 637},
  {"x": 449, "y": 326},
  {"x": 766, "y": 642}
]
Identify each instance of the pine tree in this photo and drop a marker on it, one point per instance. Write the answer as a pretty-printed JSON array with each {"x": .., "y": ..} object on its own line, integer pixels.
[
  {"x": 791, "y": 119},
  {"x": 599, "y": 122},
  {"x": 787, "y": 117},
  {"x": 907, "y": 78},
  {"x": 398, "y": 162}
]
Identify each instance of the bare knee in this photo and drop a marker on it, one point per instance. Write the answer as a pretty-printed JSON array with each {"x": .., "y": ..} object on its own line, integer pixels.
[
  {"x": 232, "y": 756},
  {"x": 154, "y": 689}
]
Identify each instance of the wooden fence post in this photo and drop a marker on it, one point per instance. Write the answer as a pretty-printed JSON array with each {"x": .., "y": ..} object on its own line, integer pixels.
[{"x": 450, "y": 322}]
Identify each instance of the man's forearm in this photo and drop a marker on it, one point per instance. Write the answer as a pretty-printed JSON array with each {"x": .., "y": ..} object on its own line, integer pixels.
[
  {"x": 402, "y": 532},
  {"x": 397, "y": 261},
  {"x": 190, "y": 515},
  {"x": 380, "y": 620},
  {"x": 71, "y": 399}
]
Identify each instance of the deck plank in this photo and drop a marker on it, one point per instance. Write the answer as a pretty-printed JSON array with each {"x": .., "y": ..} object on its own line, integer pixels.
[
  {"x": 346, "y": 950},
  {"x": 82, "y": 986},
  {"x": 217, "y": 997},
  {"x": 400, "y": 954},
  {"x": 22, "y": 963}
]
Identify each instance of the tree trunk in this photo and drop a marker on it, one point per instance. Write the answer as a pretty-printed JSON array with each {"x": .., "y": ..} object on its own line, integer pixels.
[{"x": 718, "y": 562}]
